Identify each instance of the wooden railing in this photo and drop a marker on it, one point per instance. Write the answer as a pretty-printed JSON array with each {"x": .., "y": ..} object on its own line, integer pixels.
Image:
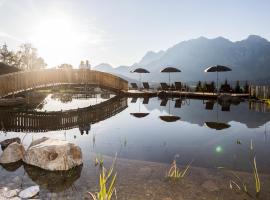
[
  {"x": 261, "y": 92},
  {"x": 32, "y": 121},
  {"x": 25, "y": 80}
]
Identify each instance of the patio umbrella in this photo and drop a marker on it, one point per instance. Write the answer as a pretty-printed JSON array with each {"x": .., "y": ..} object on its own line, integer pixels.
[
  {"x": 170, "y": 70},
  {"x": 140, "y": 71},
  {"x": 217, "y": 69}
]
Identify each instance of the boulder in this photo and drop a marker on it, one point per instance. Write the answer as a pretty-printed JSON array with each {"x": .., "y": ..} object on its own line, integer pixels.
[
  {"x": 13, "y": 153},
  {"x": 53, "y": 154},
  {"x": 4, "y": 144}
]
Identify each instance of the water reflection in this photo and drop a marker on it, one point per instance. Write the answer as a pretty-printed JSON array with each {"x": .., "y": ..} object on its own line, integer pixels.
[
  {"x": 140, "y": 114},
  {"x": 11, "y": 167},
  {"x": 54, "y": 181},
  {"x": 33, "y": 121}
]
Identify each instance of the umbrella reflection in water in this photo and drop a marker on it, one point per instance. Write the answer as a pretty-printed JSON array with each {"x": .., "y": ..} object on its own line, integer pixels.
[
  {"x": 169, "y": 118},
  {"x": 140, "y": 114}
]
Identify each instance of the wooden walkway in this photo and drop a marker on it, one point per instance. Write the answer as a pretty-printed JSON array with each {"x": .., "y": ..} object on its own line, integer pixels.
[{"x": 26, "y": 80}]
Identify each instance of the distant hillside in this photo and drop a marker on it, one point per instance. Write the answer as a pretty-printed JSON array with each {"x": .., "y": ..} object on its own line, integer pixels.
[
  {"x": 248, "y": 58},
  {"x": 5, "y": 69}
]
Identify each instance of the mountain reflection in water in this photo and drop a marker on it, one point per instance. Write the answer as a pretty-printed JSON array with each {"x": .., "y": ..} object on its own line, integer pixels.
[{"x": 198, "y": 128}]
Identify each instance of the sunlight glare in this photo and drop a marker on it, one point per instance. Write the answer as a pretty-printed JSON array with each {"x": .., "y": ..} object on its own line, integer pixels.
[{"x": 58, "y": 38}]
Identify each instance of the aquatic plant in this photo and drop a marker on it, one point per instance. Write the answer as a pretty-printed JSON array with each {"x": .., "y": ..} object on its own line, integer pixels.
[
  {"x": 106, "y": 183},
  {"x": 99, "y": 160},
  {"x": 175, "y": 173},
  {"x": 238, "y": 141},
  {"x": 239, "y": 184}
]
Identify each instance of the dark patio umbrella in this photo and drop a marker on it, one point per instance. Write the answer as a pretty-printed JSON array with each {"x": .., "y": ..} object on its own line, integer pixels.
[
  {"x": 170, "y": 70},
  {"x": 217, "y": 69},
  {"x": 140, "y": 71}
]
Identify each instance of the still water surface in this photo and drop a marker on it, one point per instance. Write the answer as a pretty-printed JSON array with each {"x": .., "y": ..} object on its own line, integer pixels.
[{"x": 134, "y": 129}]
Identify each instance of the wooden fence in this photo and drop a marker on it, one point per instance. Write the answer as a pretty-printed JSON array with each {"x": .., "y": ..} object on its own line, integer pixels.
[
  {"x": 25, "y": 80},
  {"x": 261, "y": 92}
]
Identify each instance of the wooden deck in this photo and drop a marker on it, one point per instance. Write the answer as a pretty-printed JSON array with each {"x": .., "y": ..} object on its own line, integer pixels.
[{"x": 200, "y": 95}]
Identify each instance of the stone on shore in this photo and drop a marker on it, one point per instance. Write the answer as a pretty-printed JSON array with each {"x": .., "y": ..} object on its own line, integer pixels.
[
  {"x": 29, "y": 192},
  {"x": 13, "y": 153},
  {"x": 4, "y": 144},
  {"x": 53, "y": 154},
  {"x": 10, "y": 193}
]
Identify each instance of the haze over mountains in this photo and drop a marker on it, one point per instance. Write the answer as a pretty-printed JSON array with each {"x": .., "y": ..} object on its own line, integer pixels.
[{"x": 248, "y": 58}]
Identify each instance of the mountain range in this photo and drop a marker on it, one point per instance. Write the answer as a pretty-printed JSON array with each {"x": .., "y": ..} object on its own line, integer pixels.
[{"x": 249, "y": 60}]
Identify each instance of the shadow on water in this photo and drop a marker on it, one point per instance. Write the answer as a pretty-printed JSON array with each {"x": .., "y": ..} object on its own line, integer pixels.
[{"x": 54, "y": 181}]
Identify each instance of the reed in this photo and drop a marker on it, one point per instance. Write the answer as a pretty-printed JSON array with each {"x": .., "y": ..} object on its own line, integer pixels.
[
  {"x": 176, "y": 173},
  {"x": 99, "y": 160},
  {"x": 107, "y": 181},
  {"x": 239, "y": 184}
]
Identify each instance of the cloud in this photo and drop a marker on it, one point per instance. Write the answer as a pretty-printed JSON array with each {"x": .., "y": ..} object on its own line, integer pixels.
[{"x": 8, "y": 36}]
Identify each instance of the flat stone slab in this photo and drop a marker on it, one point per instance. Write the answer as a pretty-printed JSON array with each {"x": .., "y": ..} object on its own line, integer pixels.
[{"x": 29, "y": 192}]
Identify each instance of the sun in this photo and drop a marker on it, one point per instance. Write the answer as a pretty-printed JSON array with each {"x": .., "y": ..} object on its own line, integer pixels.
[{"x": 57, "y": 39}]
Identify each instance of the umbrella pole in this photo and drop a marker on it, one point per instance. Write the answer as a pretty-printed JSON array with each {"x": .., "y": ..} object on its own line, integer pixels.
[
  {"x": 217, "y": 84},
  {"x": 140, "y": 81}
]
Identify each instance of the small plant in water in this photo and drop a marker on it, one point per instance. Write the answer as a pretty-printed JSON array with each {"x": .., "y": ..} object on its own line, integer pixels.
[
  {"x": 239, "y": 185},
  {"x": 99, "y": 160},
  {"x": 106, "y": 183},
  {"x": 175, "y": 173}
]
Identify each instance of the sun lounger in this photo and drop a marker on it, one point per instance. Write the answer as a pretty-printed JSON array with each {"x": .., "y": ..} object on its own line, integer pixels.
[
  {"x": 146, "y": 85},
  {"x": 134, "y": 86},
  {"x": 164, "y": 86}
]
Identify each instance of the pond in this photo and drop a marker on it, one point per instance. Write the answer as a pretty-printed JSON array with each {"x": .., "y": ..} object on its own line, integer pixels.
[{"x": 147, "y": 134}]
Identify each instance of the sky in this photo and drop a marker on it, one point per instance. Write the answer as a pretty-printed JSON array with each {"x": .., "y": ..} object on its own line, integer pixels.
[{"x": 120, "y": 32}]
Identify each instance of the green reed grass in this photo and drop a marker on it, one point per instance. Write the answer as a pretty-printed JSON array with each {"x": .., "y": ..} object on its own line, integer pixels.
[
  {"x": 239, "y": 184},
  {"x": 107, "y": 181},
  {"x": 176, "y": 173}
]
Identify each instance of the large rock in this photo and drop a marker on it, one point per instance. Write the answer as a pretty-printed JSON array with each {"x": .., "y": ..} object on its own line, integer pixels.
[
  {"x": 53, "y": 154},
  {"x": 4, "y": 144},
  {"x": 13, "y": 153}
]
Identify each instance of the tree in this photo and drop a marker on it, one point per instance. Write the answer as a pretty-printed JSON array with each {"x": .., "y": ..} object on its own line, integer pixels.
[
  {"x": 246, "y": 87},
  {"x": 8, "y": 57},
  {"x": 199, "y": 87},
  {"x": 237, "y": 88},
  {"x": 65, "y": 66},
  {"x": 29, "y": 59}
]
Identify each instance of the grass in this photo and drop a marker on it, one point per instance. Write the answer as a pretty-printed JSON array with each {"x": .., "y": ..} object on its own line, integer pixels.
[
  {"x": 107, "y": 181},
  {"x": 175, "y": 173},
  {"x": 99, "y": 160},
  {"x": 239, "y": 184}
]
